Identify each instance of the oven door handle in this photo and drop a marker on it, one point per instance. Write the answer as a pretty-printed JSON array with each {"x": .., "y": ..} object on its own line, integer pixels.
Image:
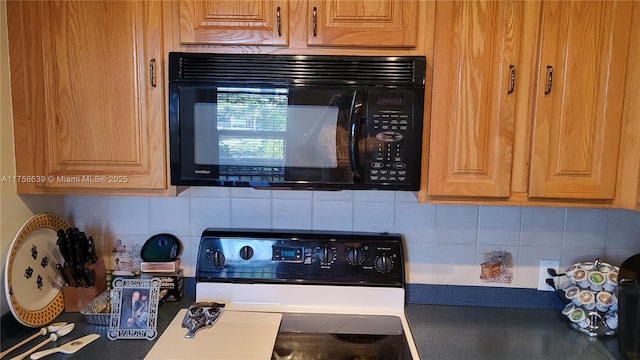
[{"x": 356, "y": 115}]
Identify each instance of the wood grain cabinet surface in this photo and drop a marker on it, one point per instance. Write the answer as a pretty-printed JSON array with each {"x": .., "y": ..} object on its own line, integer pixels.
[
  {"x": 528, "y": 102},
  {"x": 472, "y": 121},
  {"x": 88, "y": 96},
  {"x": 371, "y": 23},
  {"x": 234, "y": 22},
  {"x": 579, "y": 100},
  {"x": 352, "y": 23},
  {"x": 628, "y": 182}
]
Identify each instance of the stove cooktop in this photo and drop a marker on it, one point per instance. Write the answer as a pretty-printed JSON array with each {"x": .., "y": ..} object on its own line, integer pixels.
[
  {"x": 338, "y": 337},
  {"x": 341, "y": 294}
]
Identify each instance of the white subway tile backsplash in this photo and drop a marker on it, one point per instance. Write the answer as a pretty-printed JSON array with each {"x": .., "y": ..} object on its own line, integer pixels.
[
  {"x": 499, "y": 225},
  {"x": 586, "y": 228},
  {"x": 375, "y": 196},
  {"x": 208, "y": 212},
  {"x": 455, "y": 264},
  {"x": 373, "y": 216},
  {"x": 623, "y": 230},
  {"x": 575, "y": 255},
  {"x": 251, "y": 213},
  {"x": 406, "y": 196},
  {"x": 292, "y": 214},
  {"x": 209, "y": 191},
  {"x": 529, "y": 263},
  {"x": 89, "y": 213},
  {"x": 249, "y": 193},
  {"x": 169, "y": 215},
  {"x": 617, "y": 257},
  {"x": 417, "y": 222},
  {"x": 332, "y": 215},
  {"x": 542, "y": 226},
  {"x": 128, "y": 215},
  {"x": 289, "y": 194},
  {"x": 445, "y": 243},
  {"x": 344, "y": 195},
  {"x": 421, "y": 262},
  {"x": 457, "y": 224},
  {"x": 189, "y": 257}
]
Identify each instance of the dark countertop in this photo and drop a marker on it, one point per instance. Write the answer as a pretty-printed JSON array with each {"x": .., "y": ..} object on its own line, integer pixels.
[
  {"x": 467, "y": 332},
  {"x": 440, "y": 332}
]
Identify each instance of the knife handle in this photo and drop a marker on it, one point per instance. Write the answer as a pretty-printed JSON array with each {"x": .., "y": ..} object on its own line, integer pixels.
[
  {"x": 91, "y": 247},
  {"x": 87, "y": 275},
  {"x": 75, "y": 273},
  {"x": 62, "y": 274},
  {"x": 43, "y": 353}
]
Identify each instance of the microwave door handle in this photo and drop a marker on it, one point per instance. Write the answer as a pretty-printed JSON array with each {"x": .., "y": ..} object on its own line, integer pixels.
[{"x": 355, "y": 117}]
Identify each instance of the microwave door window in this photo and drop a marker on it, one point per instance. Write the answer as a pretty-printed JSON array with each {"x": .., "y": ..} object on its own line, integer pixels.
[
  {"x": 205, "y": 151},
  {"x": 240, "y": 133},
  {"x": 318, "y": 135},
  {"x": 274, "y": 135}
]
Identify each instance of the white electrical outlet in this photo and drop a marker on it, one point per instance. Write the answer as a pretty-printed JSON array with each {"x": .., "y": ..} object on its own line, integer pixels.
[{"x": 544, "y": 275}]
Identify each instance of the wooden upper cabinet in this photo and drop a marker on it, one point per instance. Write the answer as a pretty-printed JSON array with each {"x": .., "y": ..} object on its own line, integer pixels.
[
  {"x": 263, "y": 22},
  {"x": 370, "y": 23},
  {"x": 628, "y": 182},
  {"x": 579, "y": 100},
  {"x": 474, "y": 89},
  {"x": 88, "y": 95},
  {"x": 352, "y": 23}
]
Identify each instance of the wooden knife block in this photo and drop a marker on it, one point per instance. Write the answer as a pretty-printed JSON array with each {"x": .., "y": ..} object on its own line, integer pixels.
[{"x": 75, "y": 298}]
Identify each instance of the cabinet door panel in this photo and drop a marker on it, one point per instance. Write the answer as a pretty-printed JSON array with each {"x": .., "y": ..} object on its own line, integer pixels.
[
  {"x": 234, "y": 22},
  {"x": 86, "y": 96},
  {"x": 628, "y": 181},
  {"x": 81, "y": 92},
  {"x": 370, "y": 23},
  {"x": 584, "y": 46},
  {"x": 473, "y": 109}
]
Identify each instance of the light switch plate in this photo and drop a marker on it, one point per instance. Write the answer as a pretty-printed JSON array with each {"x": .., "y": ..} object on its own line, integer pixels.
[{"x": 544, "y": 275}]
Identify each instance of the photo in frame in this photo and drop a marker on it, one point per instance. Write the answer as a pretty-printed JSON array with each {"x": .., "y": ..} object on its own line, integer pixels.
[{"x": 134, "y": 309}]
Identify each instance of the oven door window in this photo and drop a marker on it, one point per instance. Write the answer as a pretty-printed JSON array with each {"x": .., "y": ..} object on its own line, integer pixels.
[{"x": 271, "y": 136}]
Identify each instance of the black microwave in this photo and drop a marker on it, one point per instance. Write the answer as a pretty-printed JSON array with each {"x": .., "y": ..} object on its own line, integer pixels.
[{"x": 296, "y": 121}]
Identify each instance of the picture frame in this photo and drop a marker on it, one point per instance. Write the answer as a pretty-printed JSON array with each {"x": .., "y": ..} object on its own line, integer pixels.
[{"x": 134, "y": 309}]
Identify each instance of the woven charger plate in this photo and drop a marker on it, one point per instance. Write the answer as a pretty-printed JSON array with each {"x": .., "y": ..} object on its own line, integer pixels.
[{"x": 33, "y": 286}]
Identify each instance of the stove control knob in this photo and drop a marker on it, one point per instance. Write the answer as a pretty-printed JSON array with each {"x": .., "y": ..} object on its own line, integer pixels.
[
  {"x": 327, "y": 256},
  {"x": 384, "y": 264},
  {"x": 355, "y": 256},
  {"x": 216, "y": 258},
  {"x": 246, "y": 252}
]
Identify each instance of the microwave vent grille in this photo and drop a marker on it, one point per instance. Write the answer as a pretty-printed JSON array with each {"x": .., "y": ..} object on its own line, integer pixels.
[{"x": 294, "y": 69}]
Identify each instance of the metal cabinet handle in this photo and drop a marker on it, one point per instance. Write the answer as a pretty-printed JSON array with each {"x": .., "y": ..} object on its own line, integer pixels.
[
  {"x": 278, "y": 21},
  {"x": 152, "y": 72},
  {"x": 314, "y": 21},
  {"x": 512, "y": 79},
  {"x": 549, "y": 79}
]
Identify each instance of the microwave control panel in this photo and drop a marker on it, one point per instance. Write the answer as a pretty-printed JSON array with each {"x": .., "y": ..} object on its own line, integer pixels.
[{"x": 390, "y": 128}]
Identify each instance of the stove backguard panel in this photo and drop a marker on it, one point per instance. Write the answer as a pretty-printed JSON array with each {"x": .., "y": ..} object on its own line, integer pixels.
[{"x": 301, "y": 257}]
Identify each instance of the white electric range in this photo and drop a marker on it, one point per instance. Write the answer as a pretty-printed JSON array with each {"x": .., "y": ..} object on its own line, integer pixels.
[{"x": 296, "y": 295}]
